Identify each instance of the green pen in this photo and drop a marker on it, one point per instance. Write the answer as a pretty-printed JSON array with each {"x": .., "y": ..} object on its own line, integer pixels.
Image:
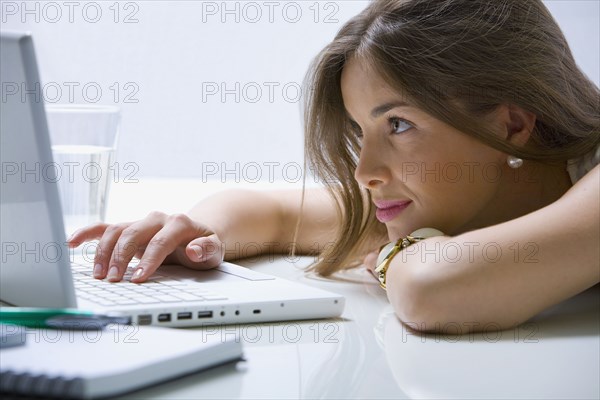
[{"x": 59, "y": 318}]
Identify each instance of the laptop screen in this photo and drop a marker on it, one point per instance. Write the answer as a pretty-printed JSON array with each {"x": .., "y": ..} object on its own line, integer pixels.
[{"x": 34, "y": 268}]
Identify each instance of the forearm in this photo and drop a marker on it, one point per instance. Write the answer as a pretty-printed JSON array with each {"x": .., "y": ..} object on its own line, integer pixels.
[
  {"x": 502, "y": 274},
  {"x": 251, "y": 222},
  {"x": 247, "y": 222},
  {"x": 471, "y": 283},
  {"x": 498, "y": 276}
]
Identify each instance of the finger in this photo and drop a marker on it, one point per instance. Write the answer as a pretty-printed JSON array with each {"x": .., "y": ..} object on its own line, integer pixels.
[
  {"x": 204, "y": 253},
  {"x": 130, "y": 242},
  {"x": 86, "y": 234},
  {"x": 105, "y": 248},
  {"x": 140, "y": 253},
  {"x": 178, "y": 229}
]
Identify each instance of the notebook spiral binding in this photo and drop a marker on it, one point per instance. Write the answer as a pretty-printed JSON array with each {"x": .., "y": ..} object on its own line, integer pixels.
[{"x": 40, "y": 385}]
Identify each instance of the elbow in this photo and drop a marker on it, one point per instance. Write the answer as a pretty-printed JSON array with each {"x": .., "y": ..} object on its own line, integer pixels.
[
  {"x": 450, "y": 298},
  {"x": 429, "y": 298},
  {"x": 422, "y": 298},
  {"x": 412, "y": 293}
]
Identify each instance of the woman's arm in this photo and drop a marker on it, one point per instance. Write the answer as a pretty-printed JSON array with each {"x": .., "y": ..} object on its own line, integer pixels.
[
  {"x": 502, "y": 275},
  {"x": 252, "y": 222},
  {"x": 230, "y": 225}
]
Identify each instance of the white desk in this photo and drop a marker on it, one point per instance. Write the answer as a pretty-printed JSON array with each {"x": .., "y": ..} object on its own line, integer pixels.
[{"x": 368, "y": 353}]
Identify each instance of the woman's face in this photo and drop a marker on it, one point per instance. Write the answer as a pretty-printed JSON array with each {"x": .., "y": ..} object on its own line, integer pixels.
[{"x": 420, "y": 171}]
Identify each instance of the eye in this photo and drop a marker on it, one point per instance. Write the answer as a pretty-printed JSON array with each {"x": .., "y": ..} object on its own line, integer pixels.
[{"x": 399, "y": 125}]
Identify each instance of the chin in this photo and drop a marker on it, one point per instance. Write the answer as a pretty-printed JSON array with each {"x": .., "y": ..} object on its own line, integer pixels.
[
  {"x": 396, "y": 232},
  {"x": 401, "y": 227}
]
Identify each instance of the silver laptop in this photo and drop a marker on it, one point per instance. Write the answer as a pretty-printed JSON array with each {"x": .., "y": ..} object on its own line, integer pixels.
[{"x": 36, "y": 268}]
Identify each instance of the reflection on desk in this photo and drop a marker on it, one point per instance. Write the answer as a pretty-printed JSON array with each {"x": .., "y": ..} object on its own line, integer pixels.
[
  {"x": 369, "y": 354},
  {"x": 554, "y": 355}
]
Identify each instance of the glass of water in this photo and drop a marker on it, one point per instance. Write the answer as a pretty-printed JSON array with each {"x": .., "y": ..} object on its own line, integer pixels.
[{"x": 84, "y": 140}]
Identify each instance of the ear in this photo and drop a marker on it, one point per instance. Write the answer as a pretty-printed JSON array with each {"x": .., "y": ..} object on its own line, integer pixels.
[{"x": 519, "y": 124}]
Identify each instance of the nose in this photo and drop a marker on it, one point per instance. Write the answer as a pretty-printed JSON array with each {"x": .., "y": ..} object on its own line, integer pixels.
[{"x": 372, "y": 170}]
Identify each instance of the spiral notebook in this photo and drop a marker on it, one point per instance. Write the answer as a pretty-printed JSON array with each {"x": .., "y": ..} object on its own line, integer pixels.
[{"x": 121, "y": 358}]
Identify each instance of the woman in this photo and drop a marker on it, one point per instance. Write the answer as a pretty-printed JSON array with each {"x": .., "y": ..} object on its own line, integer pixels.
[{"x": 467, "y": 116}]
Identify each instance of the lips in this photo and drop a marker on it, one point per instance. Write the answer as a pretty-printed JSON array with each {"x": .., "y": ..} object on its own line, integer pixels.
[{"x": 387, "y": 210}]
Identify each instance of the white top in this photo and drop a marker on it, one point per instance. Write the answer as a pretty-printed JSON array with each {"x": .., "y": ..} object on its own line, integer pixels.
[{"x": 578, "y": 167}]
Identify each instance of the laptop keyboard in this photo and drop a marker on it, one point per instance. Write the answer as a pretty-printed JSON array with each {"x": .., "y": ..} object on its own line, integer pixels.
[{"x": 157, "y": 289}]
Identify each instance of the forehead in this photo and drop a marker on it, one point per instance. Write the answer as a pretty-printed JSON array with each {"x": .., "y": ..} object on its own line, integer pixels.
[
  {"x": 363, "y": 88},
  {"x": 357, "y": 73}
]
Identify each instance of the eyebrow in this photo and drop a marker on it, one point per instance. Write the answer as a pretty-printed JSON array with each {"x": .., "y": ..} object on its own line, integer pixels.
[{"x": 382, "y": 109}]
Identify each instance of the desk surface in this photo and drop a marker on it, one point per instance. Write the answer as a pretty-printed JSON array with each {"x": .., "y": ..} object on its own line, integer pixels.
[{"x": 368, "y": 353}]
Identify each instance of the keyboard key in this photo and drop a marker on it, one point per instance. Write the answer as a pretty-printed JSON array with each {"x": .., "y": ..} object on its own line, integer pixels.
[
  {"x": 120, "y": 290},
  {"x": 151, "y": 284},
  {"x": 188, "y": 297},
  {"x": 174, "y": 283},
  {"x": 147, "y": 301},
  {"x": 124, "y": 301},
  {"x": 158, "y": 289},
  {"x": 104, "y": 302},
  {"x": 166, "y": 298},
  {"x": 146, "y": 291},
  {"x": 169, "y": 291},
  {"x": 96, "y": 289},
  {"x": 141, "y": 295}
]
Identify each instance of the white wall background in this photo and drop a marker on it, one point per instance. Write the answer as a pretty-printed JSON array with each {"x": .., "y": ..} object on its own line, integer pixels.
[{"x": 161, "y": 62}]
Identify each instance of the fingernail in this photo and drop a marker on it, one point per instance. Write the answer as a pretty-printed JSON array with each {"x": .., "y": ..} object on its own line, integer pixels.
[
  {"x": 197, "y": 249},
  {"x": 113, "y": 273},
  {"x": 97, "y": 270},
  {"x": 71, "y": 236},
  {"x": 137, "y": 274}
]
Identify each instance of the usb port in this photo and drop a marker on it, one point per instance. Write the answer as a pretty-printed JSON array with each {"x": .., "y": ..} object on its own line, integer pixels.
[
  {"x": 164, "y": 317},
  {"x": 144, "y": 319},
  {"x": 184, "y": 315},
  {"x": 205, "y": 314}
]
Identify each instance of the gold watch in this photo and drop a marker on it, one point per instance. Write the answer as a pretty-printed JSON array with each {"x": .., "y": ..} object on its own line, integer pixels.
[{"x": 389, "y": 251}]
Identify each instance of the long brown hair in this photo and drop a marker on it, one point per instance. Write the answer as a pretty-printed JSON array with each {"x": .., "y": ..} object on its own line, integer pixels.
[{"x": 457, "y": 60}]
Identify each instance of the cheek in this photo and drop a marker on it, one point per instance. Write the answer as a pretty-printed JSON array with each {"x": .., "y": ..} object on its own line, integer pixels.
[
  {"x": 447, "y": 166},
  {"x": 449, "y": 195},
  {"x": 455, "y": 184},
  {"x": 453, "y": 168}
]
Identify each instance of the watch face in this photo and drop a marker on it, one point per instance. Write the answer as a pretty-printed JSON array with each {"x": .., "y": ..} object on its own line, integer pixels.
[{"x": 425, "y": 233}]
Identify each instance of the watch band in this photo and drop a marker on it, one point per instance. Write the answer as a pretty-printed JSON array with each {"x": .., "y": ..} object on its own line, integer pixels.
[{"x": 389, "y": 251}]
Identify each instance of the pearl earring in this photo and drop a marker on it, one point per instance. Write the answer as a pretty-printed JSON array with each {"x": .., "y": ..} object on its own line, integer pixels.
[{"x": 514, "y": 162}]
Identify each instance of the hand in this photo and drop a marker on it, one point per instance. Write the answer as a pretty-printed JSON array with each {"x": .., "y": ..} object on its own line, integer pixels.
[
  {"x": 159, "y": 238},
  {"x": 369, "y": 261}
]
